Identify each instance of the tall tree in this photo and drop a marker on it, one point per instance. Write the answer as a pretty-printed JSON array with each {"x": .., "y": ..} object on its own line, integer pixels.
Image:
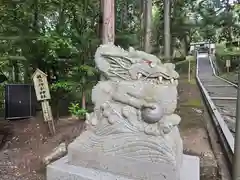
[
  {"x": 167, "y": 36},
  {"x": 148, "y": 25},
  {"x": 142, "y": 10},
  {"x": 108, "y": 21}
]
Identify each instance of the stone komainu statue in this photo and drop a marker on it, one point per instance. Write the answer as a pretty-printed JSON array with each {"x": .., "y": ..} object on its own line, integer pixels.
[{"x": 133, "y": 130}]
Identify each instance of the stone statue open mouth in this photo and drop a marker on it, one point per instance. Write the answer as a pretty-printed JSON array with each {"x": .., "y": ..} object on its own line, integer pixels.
[{"x": 157, "y": 79}]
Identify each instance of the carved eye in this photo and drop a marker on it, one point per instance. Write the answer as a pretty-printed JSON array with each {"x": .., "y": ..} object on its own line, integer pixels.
[
  {"x": 147, "y": 61},
  {"x": 152, "y": 64}
]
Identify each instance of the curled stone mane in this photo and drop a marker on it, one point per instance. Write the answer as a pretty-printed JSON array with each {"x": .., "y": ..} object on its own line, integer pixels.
[{"x": 134, "y": 108}]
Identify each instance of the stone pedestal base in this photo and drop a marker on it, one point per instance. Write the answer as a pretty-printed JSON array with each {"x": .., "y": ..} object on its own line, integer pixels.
[{"x": 61, "y": 170}]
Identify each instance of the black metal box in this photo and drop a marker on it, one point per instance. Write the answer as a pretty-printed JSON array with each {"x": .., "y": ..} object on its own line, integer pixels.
[{"x": 20, "y": 101}]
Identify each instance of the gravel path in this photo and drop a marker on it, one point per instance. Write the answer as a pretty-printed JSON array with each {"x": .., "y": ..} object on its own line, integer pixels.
[{"x": 219, "y": 88}]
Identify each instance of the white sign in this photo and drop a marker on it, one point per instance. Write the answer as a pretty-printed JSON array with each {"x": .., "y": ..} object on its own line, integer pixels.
[
  {"x": 41, "y": 85},
  {"x": 228, "y": 63},
  {"x": 47, "y": 112}
]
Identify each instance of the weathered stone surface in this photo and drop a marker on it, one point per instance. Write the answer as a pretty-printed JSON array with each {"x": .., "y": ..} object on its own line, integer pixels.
[
  {"x": 133, "y": 131},
  {"x": 61, "y": 170},
  {"x": 125, "y": 166}
]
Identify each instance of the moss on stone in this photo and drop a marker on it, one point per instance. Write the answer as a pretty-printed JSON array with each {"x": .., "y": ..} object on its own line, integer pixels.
[{"x": 193, "y": 103}]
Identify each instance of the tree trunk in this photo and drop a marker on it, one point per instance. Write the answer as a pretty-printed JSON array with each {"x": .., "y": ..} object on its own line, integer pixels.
[
  {"x": 108, "y": 26},
  {"x": 167, "y": 37},
  {"x": 61, "y": 19},
  {"x": 125, "y": 16},
  {"x": 142, "y": 4},
  {"x": 16, "y": 71},
  {"x": 122, "y": 19},
  {"x": 83, "y": 100},
  {"x": 26, "y": 74},
  {"x": 108, "y": 35},
  {"x": 229, "y": 28},
  {"x": 36, "y": 17},
  {"x": 148, "y": 23},
  {"x": 100, "y": 21}
]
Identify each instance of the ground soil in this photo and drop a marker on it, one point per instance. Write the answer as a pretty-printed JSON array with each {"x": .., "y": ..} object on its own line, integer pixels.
[
  {"x": 28, "y": 141},
  {"x": 190, "y": 109},
  {"x": 232, "y": 76},
  {"x": 193, "y": 128}
]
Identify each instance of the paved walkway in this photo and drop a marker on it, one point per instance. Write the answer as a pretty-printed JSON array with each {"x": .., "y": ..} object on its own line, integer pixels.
[{"x": 223, "y": 94}]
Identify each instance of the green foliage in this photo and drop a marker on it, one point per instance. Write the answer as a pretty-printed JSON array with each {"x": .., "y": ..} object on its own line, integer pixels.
[
  {"x": 223, "y": 54},
  {"x": 61, "y": 37},
  {"x": 234, "y": 57},
  {"x": 76, "y": 110},
  {"x": 193, "y": 103},
  {"x": 61, "y": 86},
  {"x": 61, "y": 91},
  {"x": 182, "y": 66},
  {"x": 178, "y": 59},
  {"x": 126, "y": 40},
  {"x": 183, "y": 26},
  {"x": 83, "y": 78}
]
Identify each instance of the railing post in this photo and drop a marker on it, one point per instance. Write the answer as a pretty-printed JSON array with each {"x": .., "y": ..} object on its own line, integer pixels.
[{"x": 236, "y": 155}]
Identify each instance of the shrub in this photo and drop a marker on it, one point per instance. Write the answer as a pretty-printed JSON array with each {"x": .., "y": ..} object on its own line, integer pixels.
[
  {"x": 227, "y": 54},
  {"x": 77, "y": 111},
  {"x": 61, "y": 93}
]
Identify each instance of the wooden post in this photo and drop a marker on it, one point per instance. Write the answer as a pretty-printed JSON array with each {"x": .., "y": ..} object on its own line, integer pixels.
[
  {"x": 236, "y": 154},
  {"x": 47, "y": 114},
  {"x": 189, "y": 70},
  {"x": 43, "y": 95},
  {"x": 108, "y": 21}
]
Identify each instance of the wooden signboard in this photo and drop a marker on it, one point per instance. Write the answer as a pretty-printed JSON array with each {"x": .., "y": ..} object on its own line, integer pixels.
[
  {"x": 228, "y": 65},
  {"x": 41, "y": 85},
  {"x": 43, "y": 95}
]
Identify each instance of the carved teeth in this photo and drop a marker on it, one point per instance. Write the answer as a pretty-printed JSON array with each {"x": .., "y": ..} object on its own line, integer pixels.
[
  {"x": 160, "y": 79},
  {"x": 139, "y": 75}
]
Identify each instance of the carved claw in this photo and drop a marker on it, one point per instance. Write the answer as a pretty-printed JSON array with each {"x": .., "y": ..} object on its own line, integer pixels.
[
  {"x": 91, "y": 119},
  {"x": 170, "y": 122},
  {"x": 167, "y": 129},
  {"x": 150, "y": 106}
]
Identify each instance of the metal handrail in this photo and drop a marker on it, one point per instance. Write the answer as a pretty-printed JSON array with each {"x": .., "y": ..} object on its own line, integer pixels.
[
  {"x": 218, "y": 120},
  {"x": 215, "y": 74}
]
